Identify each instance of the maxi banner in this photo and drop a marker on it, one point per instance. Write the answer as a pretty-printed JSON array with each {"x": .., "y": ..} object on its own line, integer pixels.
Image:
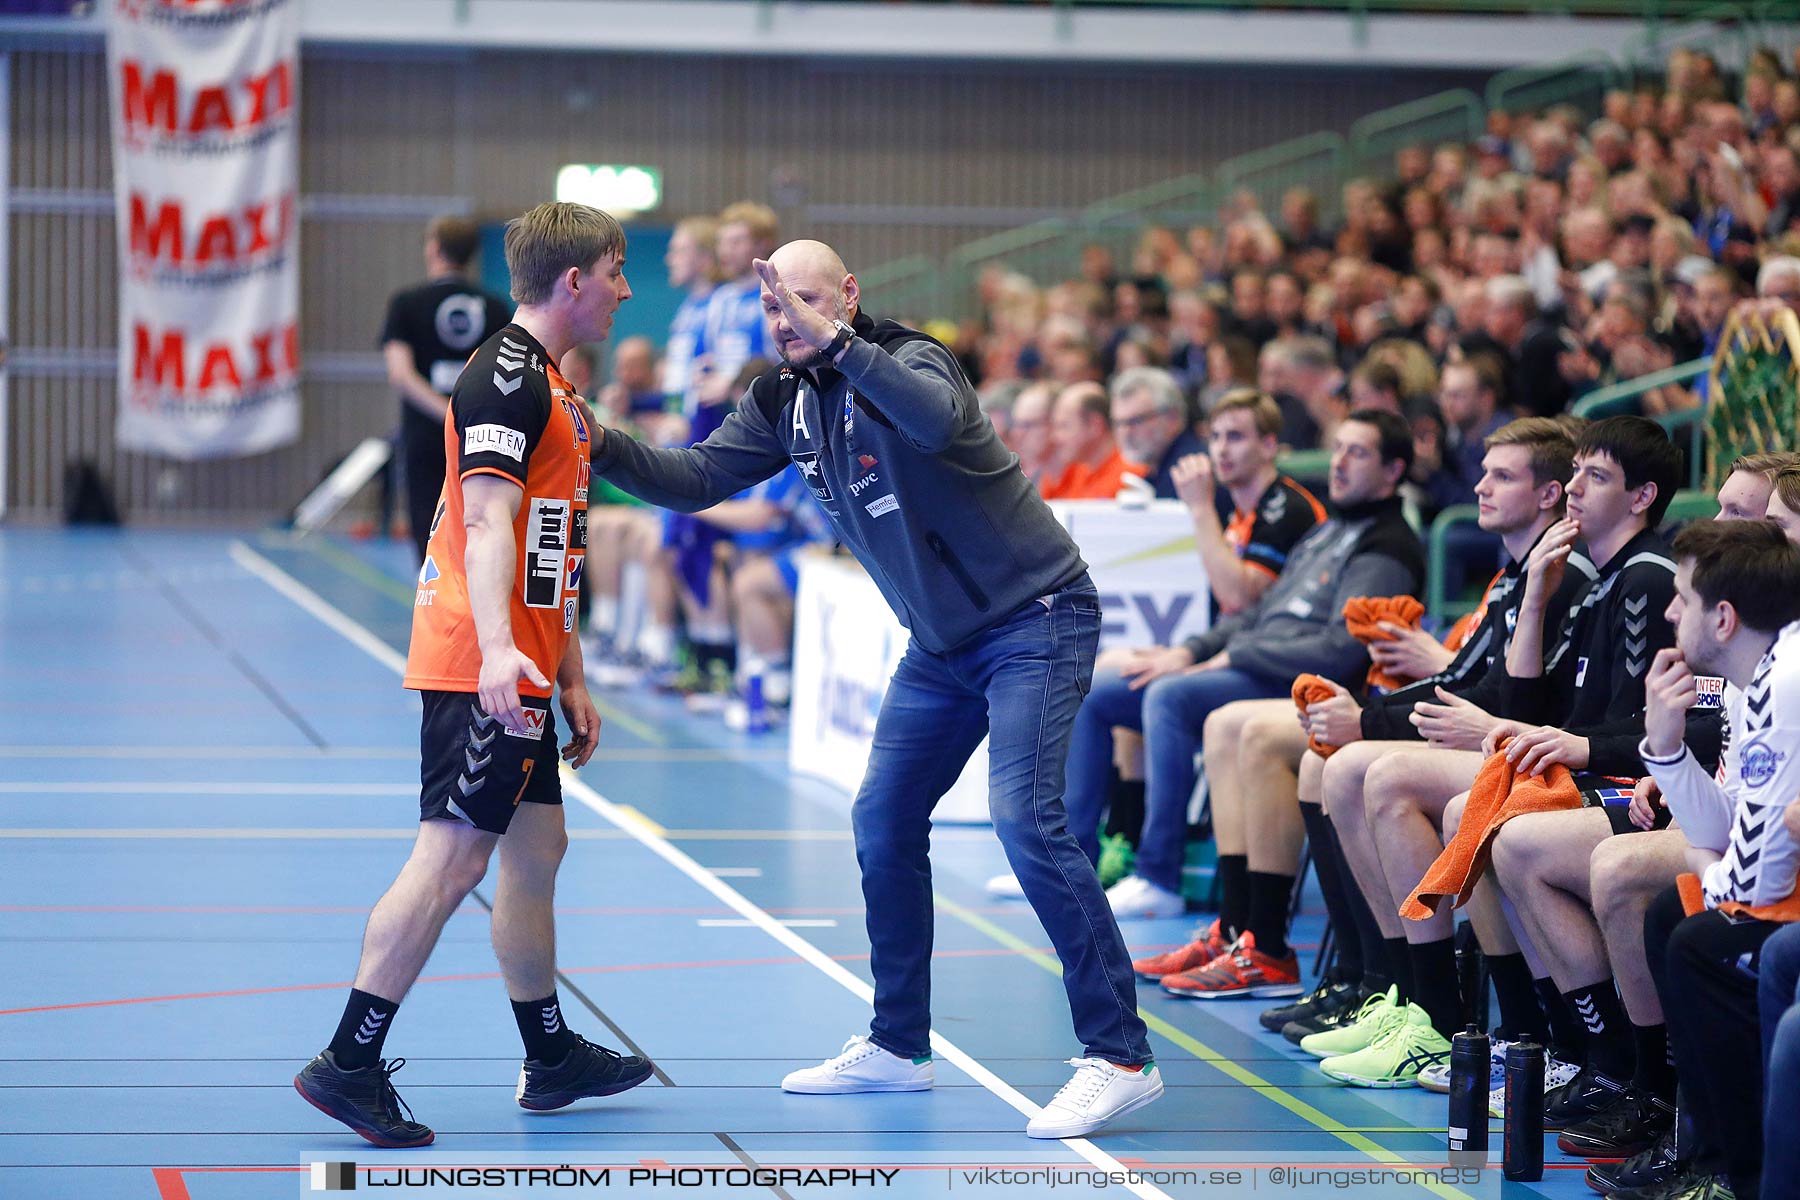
[{"x": 205, "y": 124}]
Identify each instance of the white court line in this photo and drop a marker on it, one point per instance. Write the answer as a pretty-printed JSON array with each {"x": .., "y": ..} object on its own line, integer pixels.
[
  {"x": 746, "y": 923},
  {"x": 212, "y": 833},
  {"x": 249, "y": 752},
  {"x": 736, "y": 872},
  {"x": 639, "y": 828}
]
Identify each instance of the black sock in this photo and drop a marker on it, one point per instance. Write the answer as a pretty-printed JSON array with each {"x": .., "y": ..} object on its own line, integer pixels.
[
  {"x": 362, "y": 1030},
  {"x": 1655, "y": 1073},
  {"x": 1328, "y": 865},
  {"x": 547, "y": 1038},
  {"x": 1434, "y": 977},
  {"x": 1269, "y": 897},
  {"x": 1399, "y": 958},
  {"x": 1521, "y": 1017},
  {"x": 1566, "y": 1035},
  {"x": 1377, "y": 974},
  {"x": 1608, "y": 1032},
  {"x": 1125, "y": 814},
  {"x": 1234, "y": 894}
]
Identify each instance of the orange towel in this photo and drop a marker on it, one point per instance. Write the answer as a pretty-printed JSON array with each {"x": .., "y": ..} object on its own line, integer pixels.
[
  {"x": 1499, "y": 795},
  {"x": 1310, "y": 689},
  {"x": 1363, "y": 616},
  {"x": 1693, "y": 900}
]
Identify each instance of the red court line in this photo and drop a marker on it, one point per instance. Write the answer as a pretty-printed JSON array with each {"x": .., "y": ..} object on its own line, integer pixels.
[
  {"x": 997, "y": 952},
  {"x": 169, "y": 1183}
]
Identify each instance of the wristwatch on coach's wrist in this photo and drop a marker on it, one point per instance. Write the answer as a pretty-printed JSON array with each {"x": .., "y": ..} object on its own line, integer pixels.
[{"x": 839, "y": 341}]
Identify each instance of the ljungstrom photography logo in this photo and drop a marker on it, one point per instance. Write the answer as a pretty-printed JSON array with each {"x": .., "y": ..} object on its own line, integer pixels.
[{"x": 333, "y": 1177}]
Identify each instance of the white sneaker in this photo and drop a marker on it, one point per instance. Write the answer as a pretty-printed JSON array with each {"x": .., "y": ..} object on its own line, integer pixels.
[
  {"x": 861, "y": 1066},
  {"x": 1435, "y": 1078},
  {"x": 1136, "y": 897},
  {"x": 1005, "y": 887},
  {"x": 1098, "y": 1093},
  {"x": 1556, "y": 1073}
]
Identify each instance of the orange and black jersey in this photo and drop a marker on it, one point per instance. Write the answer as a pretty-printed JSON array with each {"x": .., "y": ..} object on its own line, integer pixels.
[
  {"x": 512, "y": 415},
  {"x": 1263, "y": 536}
]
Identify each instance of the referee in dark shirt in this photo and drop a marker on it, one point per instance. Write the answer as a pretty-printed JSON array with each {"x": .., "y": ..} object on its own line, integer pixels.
[{"x": 431, "y": 330}]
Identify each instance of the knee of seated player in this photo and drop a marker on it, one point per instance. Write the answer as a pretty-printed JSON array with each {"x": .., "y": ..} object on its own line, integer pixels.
[
  {"x": 1388, "y": 790},
  {"x": 753, "y": 578},
  {"x": 1113, "y": 659},
  {"x": 1513, "y": 850},
  {"x": 1341, "y": 782},
  {"x": 1271, "y": 738},
  {"x": 1624, "y": 871},
  {"x": 1453, "y": 812},
  {"x": 1695, "y": 940}
]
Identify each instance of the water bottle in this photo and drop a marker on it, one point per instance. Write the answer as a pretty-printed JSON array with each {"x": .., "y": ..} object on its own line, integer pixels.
[
  {"x": 1523, "y": 1155},
  {"x": 757, "y": 708},
  {"x": 1469, "y": 1059}
]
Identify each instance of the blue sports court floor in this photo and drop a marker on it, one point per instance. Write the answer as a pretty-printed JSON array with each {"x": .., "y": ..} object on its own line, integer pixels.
[{"x": 210, "y": 774}]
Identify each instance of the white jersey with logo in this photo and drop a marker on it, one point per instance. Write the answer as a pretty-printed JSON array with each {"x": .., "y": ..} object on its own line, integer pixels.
[{"x": 1738, "y": 813}]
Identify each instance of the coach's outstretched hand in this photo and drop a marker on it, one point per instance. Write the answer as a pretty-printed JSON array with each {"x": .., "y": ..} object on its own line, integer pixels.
[{"x": 812, "y": 326}]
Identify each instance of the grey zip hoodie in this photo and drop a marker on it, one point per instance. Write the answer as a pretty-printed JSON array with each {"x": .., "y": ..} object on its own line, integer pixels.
[{"x": 902, "y": 459}]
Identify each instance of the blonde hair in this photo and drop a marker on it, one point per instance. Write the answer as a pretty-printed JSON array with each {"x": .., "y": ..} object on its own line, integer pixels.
[
  {"x": 1263, "y": 411},
  {"x": 551, "y": 238},
  {"x": 759, "y": 219}
]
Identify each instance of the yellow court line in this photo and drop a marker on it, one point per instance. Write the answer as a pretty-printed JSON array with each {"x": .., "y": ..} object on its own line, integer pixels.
[
  {"x": 393, "y": 589},
  {"x": 1207, "y": 1054}
]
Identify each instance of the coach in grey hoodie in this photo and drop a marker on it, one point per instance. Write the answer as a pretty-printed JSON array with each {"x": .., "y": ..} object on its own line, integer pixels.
[{"x": 1004, "y": 624}]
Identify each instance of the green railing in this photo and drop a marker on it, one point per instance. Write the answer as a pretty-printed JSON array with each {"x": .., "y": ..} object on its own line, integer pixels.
[
  {"x": 1453, "y": 116},
  {"x": 1524, "y": 89},
  {"x": 1437, "y": 605},
  {"x": 1324, "y": 161},
  {"x": 1620, "y": 399},
  {"x": 1316, "y": 161},
  {"x": 1721, "y": 29}
]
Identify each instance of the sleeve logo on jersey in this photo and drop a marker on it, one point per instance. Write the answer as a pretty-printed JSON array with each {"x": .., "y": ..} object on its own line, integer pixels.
[
  {"x": 510, "y": 358},
  {"x": 1757, "y": 764},
  {"x": 546, "y": 541},
  {"x": 813, "y": 472},
  {"x": 582, "y": 478},
  {"x": 579, "y": 540},
  {"x": 494, "y": 439},
  {"x": 572, "y": 573},
  {"x": 570, "y": 607},
  {"x": 1710, "y": 690},
  {"x": 428, "y": 571}
]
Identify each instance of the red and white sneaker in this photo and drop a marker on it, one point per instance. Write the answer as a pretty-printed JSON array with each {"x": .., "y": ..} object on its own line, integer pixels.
[
  {"x": 1242, "y": 970},
  {"x": 1197, "y": 953}
]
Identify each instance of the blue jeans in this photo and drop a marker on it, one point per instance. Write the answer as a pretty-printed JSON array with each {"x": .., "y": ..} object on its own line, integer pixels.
[
  {"x": 1778, "y": 1003},
  {"x": 1019, "y": 684},
  {"x": 1172, "y": 714}
]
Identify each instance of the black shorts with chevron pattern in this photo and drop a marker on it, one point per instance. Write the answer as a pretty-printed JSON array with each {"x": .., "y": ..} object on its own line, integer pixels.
[{"x": 472, "y": 769}]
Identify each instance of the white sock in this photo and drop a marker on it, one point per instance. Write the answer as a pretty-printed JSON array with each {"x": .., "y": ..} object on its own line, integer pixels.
[
  {"x": 606, "y": 614},
  {"x": 657, "y": 644}
]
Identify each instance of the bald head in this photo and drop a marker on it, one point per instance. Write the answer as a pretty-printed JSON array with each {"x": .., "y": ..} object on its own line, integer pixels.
[
  {"x": 816, "y": 276},
  {"x": 809, "y": 260}
]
